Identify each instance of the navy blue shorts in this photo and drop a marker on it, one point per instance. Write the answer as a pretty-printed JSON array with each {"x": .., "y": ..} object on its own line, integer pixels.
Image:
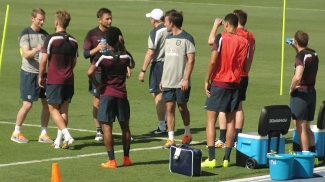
[
  {"x": 29, "y": 89},
  {"x": 156, "y": 70},
  {"x": 92, "y": 88},
  {"x": 222, "y": 100},
  {"x": 111, "y": 107},
  {"x": 176, "y": 94},
  {"x": 243, "y": 88},
  {"x": 57, "y": 94},
  {"x": 303, "y": 104}
]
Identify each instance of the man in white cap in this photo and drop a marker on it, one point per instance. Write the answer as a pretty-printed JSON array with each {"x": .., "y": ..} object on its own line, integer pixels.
[{"x": 156, "y": 55}]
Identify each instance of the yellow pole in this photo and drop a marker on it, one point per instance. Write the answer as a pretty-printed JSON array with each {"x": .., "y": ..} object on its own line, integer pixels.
[
  {"x": 282, "y": 49},
  {"x": 4, "y": 36}
]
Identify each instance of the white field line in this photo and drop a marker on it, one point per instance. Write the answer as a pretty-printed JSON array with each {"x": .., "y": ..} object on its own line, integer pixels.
[
  {"x": 91, "y": 131},
  {"x": 83, "y": 155},
  {"x": 73, "y": 157},
  {"x": 212, "y": 4}
]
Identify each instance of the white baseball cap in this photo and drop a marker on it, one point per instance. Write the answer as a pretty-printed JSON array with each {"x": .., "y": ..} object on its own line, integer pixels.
[{"x": 155, "y": 14}]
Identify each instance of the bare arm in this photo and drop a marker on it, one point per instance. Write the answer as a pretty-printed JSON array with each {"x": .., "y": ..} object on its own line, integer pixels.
[
  {"x": 211, "y": 64},
  {"x": 27, "y": 53},
  {"x": 42, "y": 69},
  {"x": 91, "y": 75},
  {"x": 213, "y": 32},
  {"x": 296, "y": 78},
  {"x": 189, "y": 68},
  {"x": 146, "y": 62}
]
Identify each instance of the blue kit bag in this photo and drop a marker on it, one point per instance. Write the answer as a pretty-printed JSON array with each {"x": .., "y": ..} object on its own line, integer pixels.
[{"x": 185, "y": 160}]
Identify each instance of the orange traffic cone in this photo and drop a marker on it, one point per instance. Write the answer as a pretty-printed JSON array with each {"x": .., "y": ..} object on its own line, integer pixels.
[{"x": 55, "y": 173}]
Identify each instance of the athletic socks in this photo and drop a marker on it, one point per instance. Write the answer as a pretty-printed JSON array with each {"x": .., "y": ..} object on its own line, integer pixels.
[
  {"x": 212, "y": 152},
  {"x": 227, "y": 154},
  {"x": 111, "y": 155},
  {"x": 66, "y": 134},
  {"x": 171, "y": 135},
  {"x": 17, "y": 129},
  {"x": 187, "y": 130},
  {"x": 99, "y": 130},
  {"x": 222, "y": 136},
  {"x": 162, "y": 125},
  {"x": 236, "y": 134},
  {"x": 126, "y": 151},
  {"x": 43, "y": 130}
]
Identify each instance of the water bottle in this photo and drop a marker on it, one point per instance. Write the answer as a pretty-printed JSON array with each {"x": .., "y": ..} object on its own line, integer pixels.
[
  {"x": 102, "y": 40},
  {"x": 290, "y": 41},
  {"x": 223, "y": 21}
]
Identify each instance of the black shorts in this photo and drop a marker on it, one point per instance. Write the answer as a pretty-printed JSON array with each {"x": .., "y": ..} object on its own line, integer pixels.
[
  {"x": 176, "y": 94},
  {"x": 57, "y": 94},
  {"x": 111, "y": 107},
  {"x": 29, "y": 89},
  {"x": 156, "y": 70},
  {"x": 243, "y": 88},
  {"x": 303, "y": 104},
  {"x": 92, "y": 89},
  {"x": 222, "y": 100}
]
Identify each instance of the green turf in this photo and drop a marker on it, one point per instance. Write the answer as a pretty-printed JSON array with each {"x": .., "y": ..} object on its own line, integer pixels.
[{"x": 265, "y": 21}]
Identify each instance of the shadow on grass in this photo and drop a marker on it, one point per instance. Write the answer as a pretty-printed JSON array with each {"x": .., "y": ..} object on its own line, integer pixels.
[
  {"x": 89, "y": 141},
  {"x": 205, "y": 173},
  {"x": 152, "y": 162}
]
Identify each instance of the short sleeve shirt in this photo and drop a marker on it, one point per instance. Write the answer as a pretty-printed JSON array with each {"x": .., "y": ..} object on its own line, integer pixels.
[
  {"x": 113, "y": 66},
  {"x": 176, "y": 49},
  {"x": 61, "y": 62},
  {"x": 92, "y": 40},
  {"x": 156, "y": 41},
  {"x": 31, "y": 38},
  {"x": 309, "y": 60}
]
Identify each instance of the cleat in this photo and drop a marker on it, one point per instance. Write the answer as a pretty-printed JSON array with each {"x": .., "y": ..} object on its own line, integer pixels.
[
  {"x": 225, "y": 163},
  {"x": 187, "y": 139},
  {"x": 209, "y": 164},
  {"x": 127, "y": 161},
  {"x": 19, "y": 138},
  {"x": 109, "y": 164},
  {"x": 67, "y": 143},
  {"x": 316, "y": 162},
  {"x": 99, "y": 136},
  {"x": 169, "y": 143},
  {"x": 219, "y": 144},
  {"x": 56, "y": 146},
  {"x": 158, "y": 131},
  {"x": 45, "y": 139}
]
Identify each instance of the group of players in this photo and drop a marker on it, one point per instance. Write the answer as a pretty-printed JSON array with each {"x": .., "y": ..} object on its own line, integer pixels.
[{"x": 171, "y": 53}]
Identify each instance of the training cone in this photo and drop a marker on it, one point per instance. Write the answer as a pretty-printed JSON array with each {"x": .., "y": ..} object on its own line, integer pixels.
[{"x": 55, "y": 173}]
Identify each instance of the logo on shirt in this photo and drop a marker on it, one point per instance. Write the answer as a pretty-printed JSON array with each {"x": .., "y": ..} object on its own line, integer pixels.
[
  {"x": 171, "y": 52},
  {"x": 178, "y": 42}
]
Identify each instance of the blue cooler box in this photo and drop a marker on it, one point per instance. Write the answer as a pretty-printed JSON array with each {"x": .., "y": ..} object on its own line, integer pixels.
[
  {"x": 252, "y": 149},
  {"x": 319, "y": 141}
]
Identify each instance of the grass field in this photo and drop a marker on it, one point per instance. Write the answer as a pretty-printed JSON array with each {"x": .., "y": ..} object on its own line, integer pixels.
[{"x": 33, "y": 161}]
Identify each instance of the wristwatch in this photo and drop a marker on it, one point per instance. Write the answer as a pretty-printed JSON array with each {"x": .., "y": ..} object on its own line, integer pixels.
[{"x": 143, "y": 70}]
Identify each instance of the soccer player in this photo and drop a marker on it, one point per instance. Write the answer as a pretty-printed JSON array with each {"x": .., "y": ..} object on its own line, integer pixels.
[
  {"x": 113, "y": 95},
  {"x": 60, "y": 51},
  {"x": 31, "y": 41},
  {"x": 302, "y": 91},
  {"x": 222, "y": 83},
  {"x": 156, "y": 55},
  {"x": 239, "y": 123},
  {"x": 176, "y": 79},
  {"x": 93, "y": 46}
]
